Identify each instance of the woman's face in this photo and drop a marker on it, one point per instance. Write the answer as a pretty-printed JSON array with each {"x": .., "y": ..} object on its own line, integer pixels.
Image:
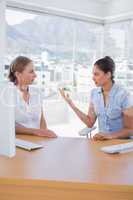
[
  {"x": 27, "y": 76},
  {"x": 100, "y": 77}
]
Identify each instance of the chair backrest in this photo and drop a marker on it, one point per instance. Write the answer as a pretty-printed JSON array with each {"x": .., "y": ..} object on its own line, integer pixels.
[{"x": 87, "y": 131}]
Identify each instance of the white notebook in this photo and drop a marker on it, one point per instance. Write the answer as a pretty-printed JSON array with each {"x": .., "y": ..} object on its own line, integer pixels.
[{"x": 27, "y": 145}]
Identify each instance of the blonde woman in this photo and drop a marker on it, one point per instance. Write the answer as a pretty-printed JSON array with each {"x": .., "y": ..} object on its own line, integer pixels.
[{"x": 29, "y": 117}]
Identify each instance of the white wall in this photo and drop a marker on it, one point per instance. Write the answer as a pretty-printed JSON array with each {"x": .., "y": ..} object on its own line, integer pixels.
[
  {"x": 119, "y": 7},
  {"x": 2, "y": 37},
  {"x": 84, "y": 8}
]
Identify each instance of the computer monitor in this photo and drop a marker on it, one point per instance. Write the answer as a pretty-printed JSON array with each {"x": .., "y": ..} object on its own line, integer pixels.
[{"x": 7, "y": 119}]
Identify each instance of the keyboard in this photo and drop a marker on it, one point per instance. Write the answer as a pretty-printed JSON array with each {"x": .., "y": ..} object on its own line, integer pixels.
[
  {"x": 27, "y": 145},
  {"x": 118, "y": 148}
]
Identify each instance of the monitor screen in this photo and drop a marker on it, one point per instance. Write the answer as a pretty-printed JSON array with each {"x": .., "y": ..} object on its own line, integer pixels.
[{"x": 7, "y": 119}]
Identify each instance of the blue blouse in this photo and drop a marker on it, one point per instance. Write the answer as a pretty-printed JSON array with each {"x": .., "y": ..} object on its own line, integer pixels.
[{"x": 110, "y": 117}]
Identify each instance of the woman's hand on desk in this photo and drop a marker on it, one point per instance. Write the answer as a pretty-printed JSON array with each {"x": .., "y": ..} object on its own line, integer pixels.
[
  {"x": 45, "y": 133},
  {"x": 102, "y": 136}
]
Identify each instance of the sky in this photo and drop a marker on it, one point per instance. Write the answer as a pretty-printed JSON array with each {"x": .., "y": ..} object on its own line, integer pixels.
[{"x": 15, "y": 17}]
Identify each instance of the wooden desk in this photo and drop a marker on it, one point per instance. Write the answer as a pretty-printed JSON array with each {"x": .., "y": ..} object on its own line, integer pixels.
[{"x": 67, "y": 169}]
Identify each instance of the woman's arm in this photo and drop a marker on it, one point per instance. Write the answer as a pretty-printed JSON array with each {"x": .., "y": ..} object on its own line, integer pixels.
[
  {"x": 126, "y": 132},
  {"x": 123, "y": 134},
  {"x": 128, "y": 124},
  {"x": 32, "y": 131},
  {"x": 89, "y": 119},
  {"x": 23, "y": 130},
  {"x": 43, "y": 124}
]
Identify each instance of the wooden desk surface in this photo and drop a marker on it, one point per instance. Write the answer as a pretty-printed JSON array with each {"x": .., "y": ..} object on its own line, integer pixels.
[{"x": 76, "y": 161}]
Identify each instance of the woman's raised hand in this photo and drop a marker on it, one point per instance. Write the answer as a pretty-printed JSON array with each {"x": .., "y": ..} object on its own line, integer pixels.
[{"x": 65, "y": 96}]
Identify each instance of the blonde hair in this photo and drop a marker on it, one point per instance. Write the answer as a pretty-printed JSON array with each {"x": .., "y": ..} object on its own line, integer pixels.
[{"x": 17, "y": 65}]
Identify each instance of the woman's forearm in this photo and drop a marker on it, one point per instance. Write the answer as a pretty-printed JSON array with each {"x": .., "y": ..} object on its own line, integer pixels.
[
  {"x": 43, "y": 124},
  {"x": 124, "y": 133},
  {"x": 84, "y": 118},
  {"x": 36, "y": 132},
  {"x": 23, "y": 130}
]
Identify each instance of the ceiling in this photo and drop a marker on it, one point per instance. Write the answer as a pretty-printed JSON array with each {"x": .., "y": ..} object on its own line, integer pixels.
[{"x": 102, "y": 1}]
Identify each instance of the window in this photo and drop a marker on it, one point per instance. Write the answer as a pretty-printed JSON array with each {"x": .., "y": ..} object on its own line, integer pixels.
[
  {"x": 63, "y": 51},
  {"x": 118, "y": 43}
]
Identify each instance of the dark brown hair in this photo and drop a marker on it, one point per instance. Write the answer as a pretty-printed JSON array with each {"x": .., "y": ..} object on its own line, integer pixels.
[
  {"x": 17, "y": 65},
  {"x": 106, "y": 64}
]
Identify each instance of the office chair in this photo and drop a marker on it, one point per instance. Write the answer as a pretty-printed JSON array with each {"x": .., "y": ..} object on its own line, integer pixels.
[{"x": 87, "y": 131}]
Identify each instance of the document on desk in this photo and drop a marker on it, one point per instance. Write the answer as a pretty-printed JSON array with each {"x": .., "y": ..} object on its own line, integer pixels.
[{"x": 27, "y": 145}]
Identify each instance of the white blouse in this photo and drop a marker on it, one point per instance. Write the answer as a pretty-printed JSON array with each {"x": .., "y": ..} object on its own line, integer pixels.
[{"x": 28, "y": 114}]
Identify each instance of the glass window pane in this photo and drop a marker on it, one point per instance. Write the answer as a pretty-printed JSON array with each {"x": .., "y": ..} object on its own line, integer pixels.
[
  {"x": 118, "y": 45},
  {"x": 63, "y": 51}
]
